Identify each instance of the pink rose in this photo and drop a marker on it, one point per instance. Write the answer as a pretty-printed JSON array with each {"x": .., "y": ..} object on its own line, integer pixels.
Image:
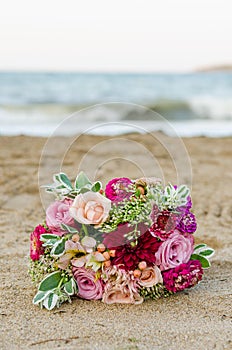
[
  {"x": 150, "y": 276},
  {"x": 176, "y": 250},
  {"x": 90, "y": 208},
  {"x": 89, "y": 287},
  {"x": 58, "y": 213}
]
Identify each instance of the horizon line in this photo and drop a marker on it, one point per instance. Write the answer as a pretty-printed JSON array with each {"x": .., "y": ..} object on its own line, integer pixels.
[{"x": 209, "y": 68}]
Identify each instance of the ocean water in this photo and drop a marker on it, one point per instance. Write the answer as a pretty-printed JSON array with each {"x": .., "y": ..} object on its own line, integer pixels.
[{"x": 40, "y": 104}]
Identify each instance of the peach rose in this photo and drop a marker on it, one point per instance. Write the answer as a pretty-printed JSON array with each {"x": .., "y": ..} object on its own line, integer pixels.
[
  {"x": 117, "y": 295},
  {"x": 90, "y": 208},
  {"x": 120, "y": 287},
  {"x": 150, "y": 276}
]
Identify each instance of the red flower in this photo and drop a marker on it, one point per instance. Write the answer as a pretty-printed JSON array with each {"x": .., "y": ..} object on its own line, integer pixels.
[
  {"x": 165, "y": 224},
  {"x": 36, "y": 248},
  {"x": 119, "y": 237},
  {"x": 145, "y": 250}
]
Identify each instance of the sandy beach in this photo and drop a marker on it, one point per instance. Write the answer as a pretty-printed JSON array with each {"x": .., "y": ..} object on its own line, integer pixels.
[{"x": 199, "y": 318}]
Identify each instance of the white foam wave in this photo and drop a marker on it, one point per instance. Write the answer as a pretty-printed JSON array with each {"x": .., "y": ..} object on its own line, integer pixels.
[
  {"x": 108, "y": 120},
  {"x": 212, "y": 108}
]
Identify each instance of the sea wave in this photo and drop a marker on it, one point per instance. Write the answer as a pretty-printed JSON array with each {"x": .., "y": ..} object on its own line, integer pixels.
[
  {"x": 204, "y": 107},
  {"x": 183, "y": 118}
]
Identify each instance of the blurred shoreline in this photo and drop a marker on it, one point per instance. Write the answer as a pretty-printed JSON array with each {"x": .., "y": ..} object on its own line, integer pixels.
[
  {"x": 111, "y": 119},
  {"x": 215, "y": 68}
]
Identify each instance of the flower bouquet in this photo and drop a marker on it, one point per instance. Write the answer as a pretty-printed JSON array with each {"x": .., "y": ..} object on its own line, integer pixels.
[{"x": 126, "y": 243}]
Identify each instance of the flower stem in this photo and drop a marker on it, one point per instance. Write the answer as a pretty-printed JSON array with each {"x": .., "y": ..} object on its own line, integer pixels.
[
  {"x": 84, "y": 228},
  {"x": 60, "y": 283}
]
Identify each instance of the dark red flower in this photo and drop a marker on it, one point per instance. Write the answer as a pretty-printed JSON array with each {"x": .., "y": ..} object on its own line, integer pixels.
[
  {"x": 116, "y": 238},
  {"x": 119, "y": 237},
  {"x": 145, "y": 250}
]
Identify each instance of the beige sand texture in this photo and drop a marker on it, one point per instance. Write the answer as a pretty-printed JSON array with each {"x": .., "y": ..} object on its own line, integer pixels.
[{"x": 199, "y": 318}]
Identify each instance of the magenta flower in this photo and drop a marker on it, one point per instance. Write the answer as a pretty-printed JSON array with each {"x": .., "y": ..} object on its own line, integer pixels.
[
  {"x": 36, "y": 248},
  {"x": 187, "y": 223},
  {"x": 183, "y": 276},
  {"x": 118, "y": 189},
  {"x": 89, "y": 287},
  {"x": 176, "y": 250},
  {"x": 58, "y": 213},
  {"x": 189, "y": 203}
]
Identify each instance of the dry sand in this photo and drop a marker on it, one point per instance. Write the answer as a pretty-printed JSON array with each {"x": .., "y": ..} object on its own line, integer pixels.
[{"x": 197, "y": 319}]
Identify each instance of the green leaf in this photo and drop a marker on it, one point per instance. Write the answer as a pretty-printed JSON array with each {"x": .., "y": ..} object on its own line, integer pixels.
[
  {"x": 85, "y": 189},
  {"x": 58, "y": 248},
  {"x": 75, "y": 288},
  {"x": 208, "y": 252},
  {"x": 81, "y": 180},
  {"x": 65, "y": 180},
  {"x": 46, "y": 236},
  {"x": 68, "y": 228},
  {"x": 199, "y": 246},
  {"x": 181, "y": 188},
  {"x": 60, "y": 187},
  {"x": 96, "y": 186},
  {"x": 183, "y": 192},
  {"x": 184, "y": 195},
  {"x": 204, "y": 262},
  {"x": 49, "y": 243},
  {"x": 50, "y": 301},
  {"x": 48, "y": 189},
  {"x": 40, "y": 296},
  {"x": 56, "y": 178},
  {"x": 70, "y": 287},
  {"x": 50, "y": 282},
  {"x": 204, "y": 250}
]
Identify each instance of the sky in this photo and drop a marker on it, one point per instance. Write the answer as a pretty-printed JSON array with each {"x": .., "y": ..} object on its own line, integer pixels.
[{"x": 122, "y": 35}]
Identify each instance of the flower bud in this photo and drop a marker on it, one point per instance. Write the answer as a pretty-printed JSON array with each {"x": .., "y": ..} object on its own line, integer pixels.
[
  {"x": 112, "y": 253},
  {"x": 101, "y": 247},
  {"x": 75, "y": 238},
  {"x": 106, "y": 255},
  {"x": 142, "y": 265},
  {"x": 137, "y": 273},
  {"x": 141, "y": 189}
]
